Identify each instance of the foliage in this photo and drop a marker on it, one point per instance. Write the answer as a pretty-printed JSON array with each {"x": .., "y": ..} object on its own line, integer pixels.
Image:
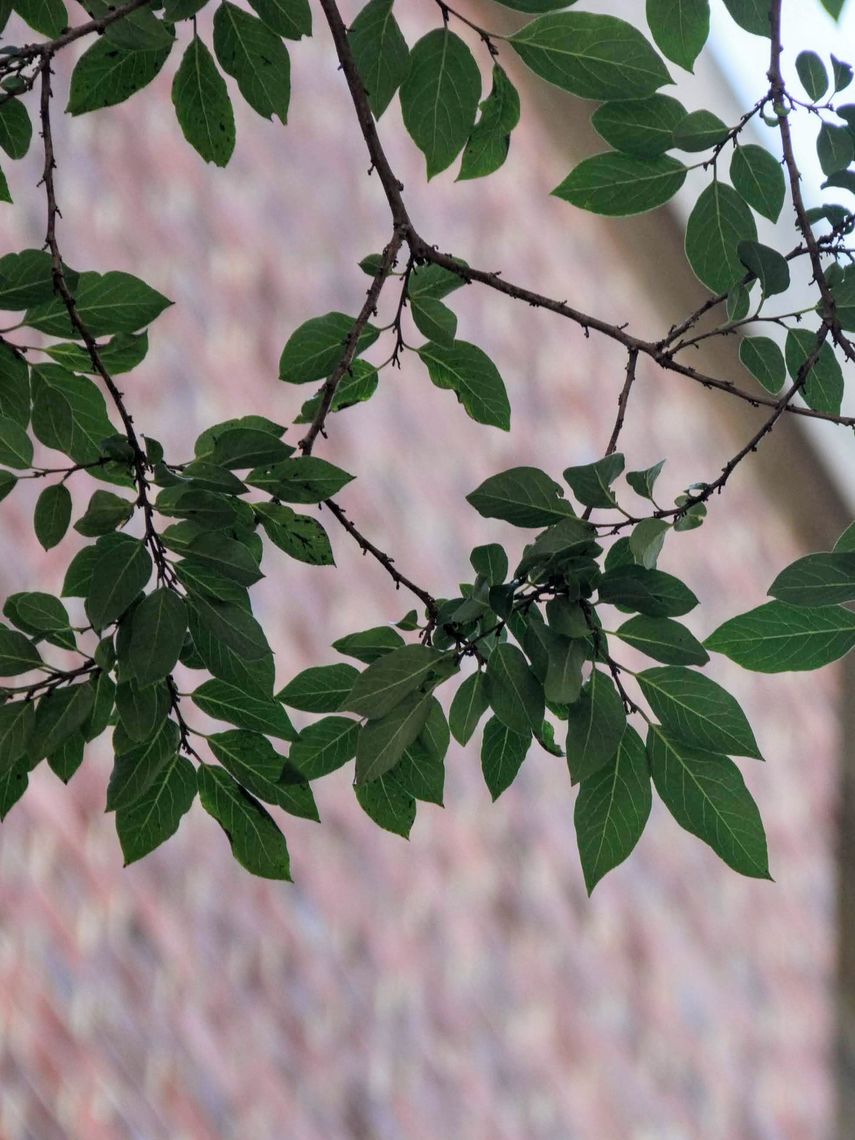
[{"x": 160, "y": 592}]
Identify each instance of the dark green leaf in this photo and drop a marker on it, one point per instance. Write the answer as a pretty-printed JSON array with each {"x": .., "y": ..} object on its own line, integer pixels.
[
  {"x": 595, "y": 726},
  {"x": 381, "y": 53},
  {"x": 232, "y": 645},
  {"x": 256, "y": 841},
  {"x": 515, "y": 694},
  {"x": 701, "y": 130},
  {"x": 107, "y": 303},
  {"x": 160, "y": 623},
  {"x": 120, "y": 571},
  {"x": 434, "y": 320},
  {"x": 612, "y": 808},
  {"x": 386, "y": 802},
  {"x": 394, "y": 676},
  {"x": 105, "y": 513},
  {"x": 597, "y": 57},
  {"x": 663, "y": 640},
  {"x": 226, "y": 557},
  {"x": 107, "y": 74},
  {"x": 67, "y": 757},
  {"x": 17, "y": 653},
  {"x": 155, "y": 815},
  {"x": 564, "y": 672},
  {"x": 646, "y": 541},
  {"x": 523, "y": 496},
  {"x": 817, "y": 580},
  {"x": 434, "y": 281},
  {"x": 765, "y": 361},
  {"x": 323, "y": 688},
  {"x": 777, "y": 637},
  {"x": 202, "y": 105},
  {"x": 439, "y": 97},
  {"x": 14, "y": 386},
  {"x": 649, "y": 592},
  {"x": 680, "y": 29},
  {"x": 315, "y": 349},
  {"x": 823, "y": 388},
  {"x": 48, "y": 17},
  {"x": 752, "y": 15},
  {"x": 16, "y": 447},
  {"x": 696, "y": 710},
  {"x": 491, "y": 562},
  {"x": 259, "y": 768},
  {"x": 142, "y": 711},
  {"x": 325, "y": 746},
  {"x": 289, "y": 18},
  {"x": 767, "y": 265},
  {"x": 835, "y": 148},
  {"x": 591, "y": 483},
  {"x": 121, "y": 354},
  {"x": 758, "y": 177},
  {"x": 256, "y": 57},
  {"x": 473, "y": 378},
  {"x": 302, "y": 480},
  {"x": 469, "y": 705},
  {"x": 358, "y": 385},
  {"x": 812, "y": 74},
  {"x": 227, "y": 702},
  {"x": 367, "y": 646},
  {"x": 488, "y": 145},
  {"x": 60, "y": 713},
  {"x": 382, "y": 742},
  {"x": 136, "y": 770},
  {"x": 719, "y": 221},
  {"x": 502, "y": 754},
  {"x": 707, "y": 796},
  {"x": 621, "y": 184},
  {"x": 26, "y": 278},
  {"x": 642, "y": 482},
  {"x": 842, "y": 71},
  {"x": 641, "y": 127},
  {"x": 17, "y": 721}
]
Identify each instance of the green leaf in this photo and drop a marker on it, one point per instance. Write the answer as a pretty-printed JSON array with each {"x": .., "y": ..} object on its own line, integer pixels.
[
  {"x": 488, "y": 145},
  {"x": 434, "y": 281},
  {"x": 368, "y": 646},
  {"x": 597, "y": 57},
  {"x": 225, "y": 556},
  {"x": 843, "y": 72},
  {"x": 523, "y": 496},
  {"x": 823, "y": 388},
  {"x": 107, "y": 303},
  {"x": 765, "y": 361},
  {"x": 473, "y": 378},
  {"x": 650, "y": 592},
  {"x": 232, "y": 645},
  {"x": 595, "y": 726},
  {"x": 67, "y": 757},
  {"x": 536, "y": 5},
  {"x": 14, "y": 386},
  {"x": 382, "y": 742},
  {"x": 640, "y": 127},
  {"x": 502, "y": 754},
  {"x": 13, "y": 784},
  {"x": 707, "y": 796},
  {"x": 439, "y": 97},
  {"x": 468, "y": 706},
  {"x": 434, "y": 320},
  {"x": 40, "y": 615},
  {"x": 105, "y": 513},
  {"x": 16, "y": 447},
  {"x": 680, "y": 29},
  {"x": 155, "y": 815},
  {"x": 491, "y": 562},
  {"x": 316, "y": 348},
  {"x": 301, "y": 537},
  {"x": 701, "y": 130},
  {"x": 135, "y": 770},
  {"x": 103, "y": 706},
  {"x": 227, "y": 702},
  {"x": 386, "y": 802},
  {"x": 142, "y": 711},
  {"x": 421, "y": 771},
  {"x": 738, "y": 302},
  {"x": 719, "y": 221},
  {"x": 696, "y": 710},
  {"x": 244, "y": 442},
  {"x": 777, "y": 637},
  {"x": 817, "y": 580},
  {"x": 591, "y": 483},
  {"x": 387, "y": 681},
  {"x": 48, "y": 17},
  {"x": 202, "y": 105},
  {"x": 160, "y": 623},
  {"x": 612, "y": 808},
  {"x": 69, "y": 413},
  {"x": 120, "y": 571},
  {"x": 357, "y": 386},
  {"x": 563, "y": 682},
  {"x": 325, "y": 746},
  {"x": 835, "y": 148},
  {"x": 79, "y": 574},
  {"x": 256, "y": 57},
  {"x": 60, "y": 713},
  {"x": 618, "y": 185},
  {"x": 26, "y": 279},
  {"x": 17, "y": 653},
  {"x": 381, "y": 53},
  {"x": 17, "y": 721},
  {"x": 306, "y": 479},
  {"x": 107, "y": 74},
  {"x": 256, "y": 842},
  {"x": 323, "y": 688},
  {"x": 663, "y": 640},
  {"x": 289, "y": 18},
  {"x": 121, "y": 354},
  {"x": 515, "y": 694},
  {"x": 643, "y": 482},
  {"x": 767, "y": 265},
  {"x": 812, "y": 74},
  {"x": 752, "y": 15},
  {"x": 646, "y": 541},
  {"x": 258, "y": 767}
]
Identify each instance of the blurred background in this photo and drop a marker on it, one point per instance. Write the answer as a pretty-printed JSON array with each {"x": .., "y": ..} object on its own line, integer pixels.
[{"x": 461, "y": 984}]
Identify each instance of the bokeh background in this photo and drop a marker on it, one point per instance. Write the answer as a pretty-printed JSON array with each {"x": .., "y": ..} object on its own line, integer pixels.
[{"x": 461, "y": 984}]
